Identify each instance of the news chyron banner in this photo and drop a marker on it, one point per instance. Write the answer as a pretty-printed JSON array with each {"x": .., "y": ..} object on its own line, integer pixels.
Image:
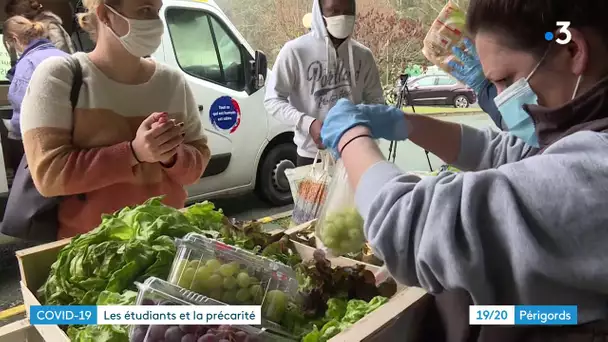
[
  {"x": 146, "y": 315},
  {"x": 523, "y": 315},
  {"x": 251, "y": 315}
]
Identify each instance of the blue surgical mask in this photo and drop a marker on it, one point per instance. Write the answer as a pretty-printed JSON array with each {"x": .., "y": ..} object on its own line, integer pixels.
[{"x": 511, "y": 103}]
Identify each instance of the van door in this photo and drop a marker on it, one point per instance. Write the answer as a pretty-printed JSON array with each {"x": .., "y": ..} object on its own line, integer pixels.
[{"x": 205, "y": 46}]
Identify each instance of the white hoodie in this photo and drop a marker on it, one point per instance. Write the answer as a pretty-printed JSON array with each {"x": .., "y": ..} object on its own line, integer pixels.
[{"x": 310, "y": 76}]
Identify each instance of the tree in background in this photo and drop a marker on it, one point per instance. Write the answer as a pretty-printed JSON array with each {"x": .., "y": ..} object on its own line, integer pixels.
[
  {"x": 267, "y": 24},
  {"x": 396, "y": 42},
  {"x": 392, "y": 29}
]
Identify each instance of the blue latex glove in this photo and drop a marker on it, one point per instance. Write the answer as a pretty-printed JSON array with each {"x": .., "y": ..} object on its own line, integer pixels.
[
  {"x": 342, "y": 117},
  {"x": 384, "y": 122},
  {"x": 470, "y": 71}
]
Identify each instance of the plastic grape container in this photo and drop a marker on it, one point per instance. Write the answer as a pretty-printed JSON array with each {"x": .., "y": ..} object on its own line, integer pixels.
[
  {"x": 155, "y": 291},
  {"x": 233, "y": 275}
]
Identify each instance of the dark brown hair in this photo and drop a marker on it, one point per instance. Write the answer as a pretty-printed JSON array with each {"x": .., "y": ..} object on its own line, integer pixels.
[
  {"x": 26, "y": 8},
  {"x": 523, "y": 23}
]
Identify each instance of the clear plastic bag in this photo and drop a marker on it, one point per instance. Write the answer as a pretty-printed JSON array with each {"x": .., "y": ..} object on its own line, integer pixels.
[
  {"x": 447, "y": 31},
  {"x": 339, "y": 229},
  {"x": 310, "y": 184}
]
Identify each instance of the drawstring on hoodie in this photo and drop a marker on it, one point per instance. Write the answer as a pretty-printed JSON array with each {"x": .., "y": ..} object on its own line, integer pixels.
[{"x": 351, "y": 62}]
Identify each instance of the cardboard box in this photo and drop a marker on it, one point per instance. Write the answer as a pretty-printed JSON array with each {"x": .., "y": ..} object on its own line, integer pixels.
[{"x": 35, "y": 264}]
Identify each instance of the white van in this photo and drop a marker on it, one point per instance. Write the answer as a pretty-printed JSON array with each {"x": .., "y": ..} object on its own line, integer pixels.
[{"x": 250, "y": 149}]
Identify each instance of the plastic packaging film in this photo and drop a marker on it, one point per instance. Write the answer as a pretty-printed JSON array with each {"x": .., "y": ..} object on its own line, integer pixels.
[
  {"x": 339, "y": 229},
  {"x": 447, "y": 31}
]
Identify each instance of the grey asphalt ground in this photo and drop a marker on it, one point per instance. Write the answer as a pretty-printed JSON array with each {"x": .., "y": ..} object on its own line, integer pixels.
[{"x": 409, "y": 158}]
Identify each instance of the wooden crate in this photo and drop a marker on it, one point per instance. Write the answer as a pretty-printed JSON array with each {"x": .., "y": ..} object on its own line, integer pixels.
[
  {"x": 301, "y": 247},
  {"x": 35, "y": 264},
  {"x": 20, "y": 331}
]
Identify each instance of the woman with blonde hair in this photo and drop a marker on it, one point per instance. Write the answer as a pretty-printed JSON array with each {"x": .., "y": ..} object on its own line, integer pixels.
[
  {"x": 33, "y": 10},
  {"x": 135, "y": 132},
  {"x": 27, "y": 39}
]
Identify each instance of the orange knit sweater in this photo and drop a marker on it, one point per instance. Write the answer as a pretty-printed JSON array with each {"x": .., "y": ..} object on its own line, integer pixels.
[{"x": 95, "y": 159}]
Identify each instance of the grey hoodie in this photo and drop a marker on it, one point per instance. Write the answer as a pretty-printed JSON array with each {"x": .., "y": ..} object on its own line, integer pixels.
[
  {"x": 310, "y": 76},
  {"x": 528, "y": 227}
]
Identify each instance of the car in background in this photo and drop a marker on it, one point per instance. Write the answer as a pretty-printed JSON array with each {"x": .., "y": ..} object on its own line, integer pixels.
[{"x": 437, "y": 89}]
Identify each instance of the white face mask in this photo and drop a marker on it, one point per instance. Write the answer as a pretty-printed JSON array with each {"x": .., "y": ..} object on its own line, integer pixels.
[
  {"x": 340, "y": 26},
  {"x": 144, "y": 36}
]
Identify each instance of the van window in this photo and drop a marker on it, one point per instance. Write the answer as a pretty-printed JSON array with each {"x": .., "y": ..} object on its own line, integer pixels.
[{"x": 204, "y": 49}]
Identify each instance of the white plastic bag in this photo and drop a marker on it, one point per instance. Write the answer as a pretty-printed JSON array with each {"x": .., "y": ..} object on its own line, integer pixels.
[
  {"x": 309, "y": 188},
  {"x": 339, "y": 229}
]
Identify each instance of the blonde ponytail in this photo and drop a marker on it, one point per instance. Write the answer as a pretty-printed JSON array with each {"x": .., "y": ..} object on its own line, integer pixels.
[
  {"x": 88, "y": 22},
  {"x": 38, "y": 29},
  {"x": 24, "y": 29}
]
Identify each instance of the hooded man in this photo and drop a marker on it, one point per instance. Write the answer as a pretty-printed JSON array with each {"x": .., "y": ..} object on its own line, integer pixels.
[{"x": 312, "y": 72}]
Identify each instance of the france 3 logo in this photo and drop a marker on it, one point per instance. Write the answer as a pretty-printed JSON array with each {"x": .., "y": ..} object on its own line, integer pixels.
[{"x": 564, "y": 36}]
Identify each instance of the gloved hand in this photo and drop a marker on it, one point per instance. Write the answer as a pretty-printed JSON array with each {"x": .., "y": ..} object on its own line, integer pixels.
[
  {"x": 386, "y": 122},
  {"x": 470, "y": 71},
  {"x": 342, "y": 117}
]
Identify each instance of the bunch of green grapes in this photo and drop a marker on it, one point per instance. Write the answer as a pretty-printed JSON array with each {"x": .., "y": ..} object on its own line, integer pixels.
[
  {"x": 231, "y": 284},
  {"x": 226, "y": 282},
  {"x": 342, "y": 231}
]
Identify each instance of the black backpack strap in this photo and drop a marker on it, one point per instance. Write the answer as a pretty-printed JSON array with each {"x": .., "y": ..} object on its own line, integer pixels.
[
  {"x": 76, "y": 85},
  {"x": 77, "y": 80}
]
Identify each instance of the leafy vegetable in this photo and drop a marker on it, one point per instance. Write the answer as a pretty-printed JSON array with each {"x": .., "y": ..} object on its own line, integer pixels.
[
  {"x": 355, "y": 310},
  {"x": 341, "y": 315},
  {"x": 204, "y": 216},
  {"x": 331, "y": 329},
  {"x": 319, "y": 281},
  {"x": 132, "y": 244},
  {"x": 294, "y": 320},
  {"x": 375, "y": 303},
  {"x": 105, "y": 333},
  {"x": 282, "y": 251},
  {"x": 313, "y": 336},
  {"x": 336, "y": 308},
  {"x": 111, "y": 298},
  {"x": 248, "y": 235}
]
